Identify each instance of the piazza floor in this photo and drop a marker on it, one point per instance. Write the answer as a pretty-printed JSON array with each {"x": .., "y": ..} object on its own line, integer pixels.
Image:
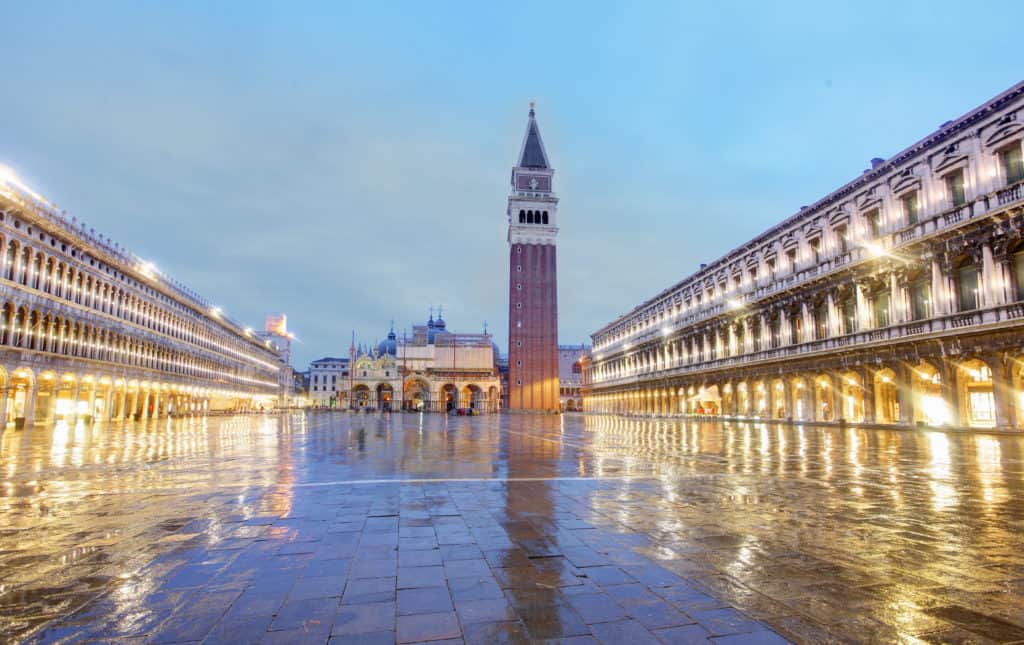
[{"x": 363, "y": 529}]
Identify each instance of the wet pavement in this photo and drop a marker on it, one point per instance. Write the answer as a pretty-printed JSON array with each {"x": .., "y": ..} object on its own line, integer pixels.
[{"x": 361, "y": 529}]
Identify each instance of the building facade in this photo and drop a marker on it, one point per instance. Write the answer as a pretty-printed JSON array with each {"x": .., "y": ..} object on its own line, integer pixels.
[
  {"x": 897, "y": 299},
  {"x": 434, "y": 370},
  {"x": 533, "y": 285},
  {"x": 328, "y": 380},
  {"x": 275, "y": 330},
  {"x": 570, "y": 376},
  {"x": 91, "y": 331}
]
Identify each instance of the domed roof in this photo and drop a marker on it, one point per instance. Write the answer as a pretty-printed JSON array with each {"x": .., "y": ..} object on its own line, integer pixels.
[{"x": 388, "y": 345}]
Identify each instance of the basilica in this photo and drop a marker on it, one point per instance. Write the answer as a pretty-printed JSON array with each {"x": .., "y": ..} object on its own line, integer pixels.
[{"x": 431, "y": 370}]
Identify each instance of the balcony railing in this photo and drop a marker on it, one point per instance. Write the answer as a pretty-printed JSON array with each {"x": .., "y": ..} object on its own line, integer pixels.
[
  {"x": 959, "y": 321},
  {"x": 939, "y": 221}
]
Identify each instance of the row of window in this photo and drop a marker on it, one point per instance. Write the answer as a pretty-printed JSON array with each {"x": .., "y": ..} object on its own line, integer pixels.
[
  {"x": 334, "y": 377},
  {"x": 1011, "y": 160},
  {"x": 36, "y": 270},
  {"x": 533, "y": 217},
  {"x": 967, "y": 280},
  {"x": 32, "y": 330}
]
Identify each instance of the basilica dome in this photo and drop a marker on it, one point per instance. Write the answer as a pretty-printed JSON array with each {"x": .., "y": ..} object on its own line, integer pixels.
[{"x": 388, "y": 345}]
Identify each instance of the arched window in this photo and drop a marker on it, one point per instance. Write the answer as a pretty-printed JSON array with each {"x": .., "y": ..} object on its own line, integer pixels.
[
  {"x": 967, "y": 286},
  {"x": 529, "y": 217},
  {"x": 544, "y": 217},
  {"x": 522, "y": 217}
]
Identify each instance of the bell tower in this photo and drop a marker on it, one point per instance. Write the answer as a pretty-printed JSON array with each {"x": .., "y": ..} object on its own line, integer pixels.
[{"x": 533, "y": 284}]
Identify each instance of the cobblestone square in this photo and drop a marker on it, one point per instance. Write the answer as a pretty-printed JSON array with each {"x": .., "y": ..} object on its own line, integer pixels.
[{"x": 329, "y": 527}]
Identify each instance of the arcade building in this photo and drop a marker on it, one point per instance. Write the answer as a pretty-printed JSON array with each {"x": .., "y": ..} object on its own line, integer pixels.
[{"x": 896, "y": 300}]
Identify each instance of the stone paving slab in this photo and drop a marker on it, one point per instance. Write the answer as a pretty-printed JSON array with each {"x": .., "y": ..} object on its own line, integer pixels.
[{"x": 332, "y": 528}]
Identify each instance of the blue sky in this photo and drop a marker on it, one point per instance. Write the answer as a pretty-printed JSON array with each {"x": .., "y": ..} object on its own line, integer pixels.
[{"x": 348, "y": 163}]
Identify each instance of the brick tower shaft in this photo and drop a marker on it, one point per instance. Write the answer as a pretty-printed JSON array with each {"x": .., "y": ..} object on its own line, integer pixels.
[{"x": 533, "y": 279}]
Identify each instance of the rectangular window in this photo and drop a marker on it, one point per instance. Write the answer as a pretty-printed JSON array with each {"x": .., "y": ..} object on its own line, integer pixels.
[
  {"x": 841, "y": 242},
  {"x": 771, "y": 269},
  {"x": 920, "y": 297},
  {"x": 791, "y": 259},
  {"x": 955, "y": 187},
  {"x": 1018, "y": 273},
  {"x": 850, "y": 315},
  {"x": 882, "y": 309},
  {"x": 874, "y": 220},
  {"x": 816, "y": 251},
  {"x": 1013, "y": 163},
  {"x": 967, "y": 287},
  {"x": 821, "y": 321},
  {"x": 911, "y": 207}
]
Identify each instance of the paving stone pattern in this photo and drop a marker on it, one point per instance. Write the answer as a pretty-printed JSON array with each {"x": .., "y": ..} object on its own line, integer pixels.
[{"x": 360, "y": 529}]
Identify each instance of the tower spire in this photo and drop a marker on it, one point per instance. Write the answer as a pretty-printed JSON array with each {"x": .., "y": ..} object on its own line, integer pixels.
[{"x": 532, "y": 153}]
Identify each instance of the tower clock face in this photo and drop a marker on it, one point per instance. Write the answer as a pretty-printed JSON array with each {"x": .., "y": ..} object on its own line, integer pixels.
[{"x": 533, "y": 182}]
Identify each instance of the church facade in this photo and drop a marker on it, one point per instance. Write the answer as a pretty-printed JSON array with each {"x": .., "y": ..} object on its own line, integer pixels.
[{"x": 434, "y": 370}]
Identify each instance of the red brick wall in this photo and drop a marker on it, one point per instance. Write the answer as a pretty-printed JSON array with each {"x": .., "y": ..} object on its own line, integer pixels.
[{"x": 535, "y": 342}]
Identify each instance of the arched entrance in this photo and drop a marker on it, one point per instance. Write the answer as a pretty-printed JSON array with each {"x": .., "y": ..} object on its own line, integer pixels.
[
  {"x": 760, "y": 400},
  {"x": 778, "y": 395},
  {"x": 802, "y": 410},
  {"x": 20, "y": 402},
  {"x": 977, "y": 400},
  {"x": 417, "y": 395},
  {"x": 926, "y": 385},
  {"x": 851, "y": 397},
  {"x": 824, "y": 398},
  {"x": 384, "y": 396},
  {"x": 887, "y": 407},
  {"x": 360, "y": 397},
  {"x": 449, "y": 397},
  {"x": 475, "y": 399}
]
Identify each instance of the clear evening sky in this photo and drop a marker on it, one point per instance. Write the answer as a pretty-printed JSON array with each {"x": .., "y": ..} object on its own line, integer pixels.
[{"x": 348, "y": 163}]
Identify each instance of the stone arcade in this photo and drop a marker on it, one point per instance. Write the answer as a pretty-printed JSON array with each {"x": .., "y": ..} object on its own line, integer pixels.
[{"x": 897, "y": 300}]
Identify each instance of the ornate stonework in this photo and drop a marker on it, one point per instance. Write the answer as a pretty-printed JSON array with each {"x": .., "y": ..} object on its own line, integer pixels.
[{"x": 897, "y": 299}]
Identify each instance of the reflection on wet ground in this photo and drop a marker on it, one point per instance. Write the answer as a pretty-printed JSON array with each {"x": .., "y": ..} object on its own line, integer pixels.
[{"x": 309, "y": 528}]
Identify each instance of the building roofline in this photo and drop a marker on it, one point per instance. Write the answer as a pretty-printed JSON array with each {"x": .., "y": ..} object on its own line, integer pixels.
[{"x": 945, "y": 132}]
